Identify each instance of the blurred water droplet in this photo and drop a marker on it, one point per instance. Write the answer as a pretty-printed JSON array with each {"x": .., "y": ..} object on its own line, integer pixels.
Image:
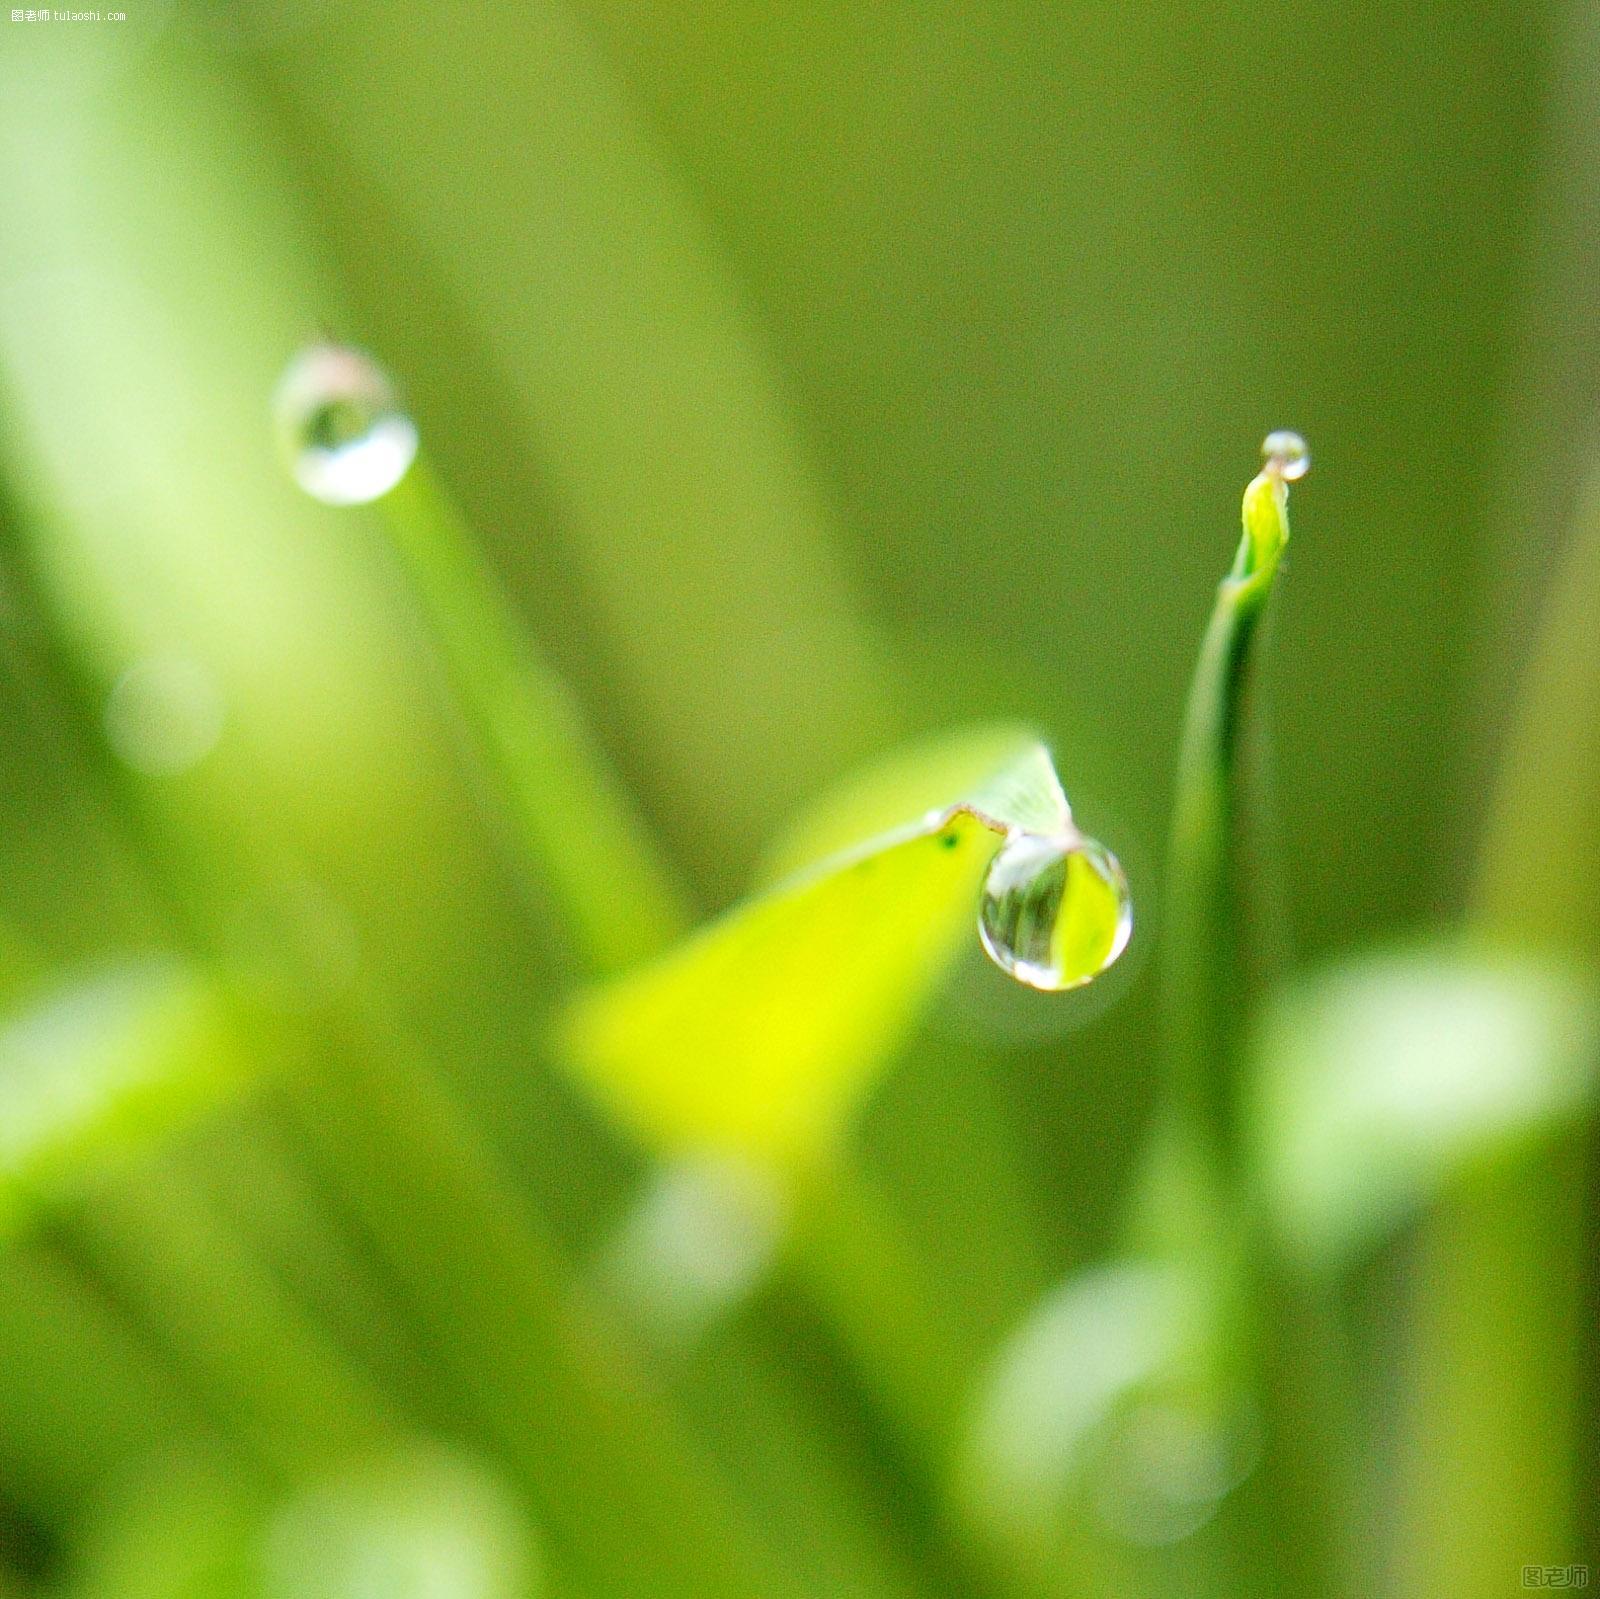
[
  {"x": 1286, "y": 454},
  {"x": 164, "y": 715},
  {"x": 1055, "y": 912},
  {"x": 1110, "y": 1405},
  {"x": 347, "y": 440},
  {"x": 697, "y": 1242}
]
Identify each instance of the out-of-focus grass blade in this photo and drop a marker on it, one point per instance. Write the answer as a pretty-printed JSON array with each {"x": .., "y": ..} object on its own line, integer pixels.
[
  {"x": 104, "y": 1068},
  {"x": 137, "y": 395},
  {"x": 413, "y": 1525},
  {"x": 82, "y": 1394},
  {"x": 154, "y": 281},
  {"x": 647, "y": 400},
  {"x": 1500, "y": 1324},
  {"x": 178, "y": 1528},
  {"x": 1379, "y": 1081},
  {"x": 426, "y": 1525},
  {"x": 758, "y": 1036}
]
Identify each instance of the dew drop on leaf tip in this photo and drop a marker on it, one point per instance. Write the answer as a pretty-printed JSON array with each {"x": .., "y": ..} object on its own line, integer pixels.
[
  {"x": 1286, "y": 454},
  {"x": 1055, "y": 911},
  {"x": 346, "y": 438}
]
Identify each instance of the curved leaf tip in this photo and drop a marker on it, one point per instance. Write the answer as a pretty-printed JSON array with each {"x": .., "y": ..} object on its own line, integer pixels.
[{"x": 759, "y": 1035}]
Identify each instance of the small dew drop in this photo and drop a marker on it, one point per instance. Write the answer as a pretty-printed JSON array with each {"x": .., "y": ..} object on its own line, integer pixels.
[
  {"x": 345, "y": 436},
  {"x": 164, "y": 715},
  {"x": 1286, "y": 454},
  {"x": 1055, "y": 912}
]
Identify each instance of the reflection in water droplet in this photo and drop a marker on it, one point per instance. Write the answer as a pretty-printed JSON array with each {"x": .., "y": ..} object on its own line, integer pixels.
[
  {"x": 1055, "y": 912},
  {"x": 1286, "y": 454},
  {"x": 164, "y": 715},
  {"x": 347, "y": 440}
]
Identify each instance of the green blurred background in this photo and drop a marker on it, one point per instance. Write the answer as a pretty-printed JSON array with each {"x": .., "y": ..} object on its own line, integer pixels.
[{"x": 814, "y": 376}]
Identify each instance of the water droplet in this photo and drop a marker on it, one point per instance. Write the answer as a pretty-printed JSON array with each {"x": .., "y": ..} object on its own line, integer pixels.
[
  {"x": 347, "y": 440},
  {"x": 697, "y": 1243},
  {"x": 1287, "y": 455},
  {"x": 1055, "y": 912},
  {"x": 164, "y": 715}
]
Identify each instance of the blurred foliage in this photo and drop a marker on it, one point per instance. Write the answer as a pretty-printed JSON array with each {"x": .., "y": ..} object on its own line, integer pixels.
[{"x": 805, "y": 382}]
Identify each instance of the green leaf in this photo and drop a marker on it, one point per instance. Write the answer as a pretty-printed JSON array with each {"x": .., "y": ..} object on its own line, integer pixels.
[
  {"x": 759, "y": 1035},
  {"x": 108, "y": 1066},
  {"x": 1379, "y": 1081}
]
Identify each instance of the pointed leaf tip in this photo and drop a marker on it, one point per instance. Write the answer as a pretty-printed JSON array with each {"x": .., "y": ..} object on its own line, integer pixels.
[{"x": 759, "y": 1035}]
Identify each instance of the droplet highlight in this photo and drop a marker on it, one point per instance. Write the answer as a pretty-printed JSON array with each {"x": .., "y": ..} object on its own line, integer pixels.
[
  {"x": 346, "y": 438},
  {"x": 1055, "y": 912},
  {"x": 1287, "y": 455}
]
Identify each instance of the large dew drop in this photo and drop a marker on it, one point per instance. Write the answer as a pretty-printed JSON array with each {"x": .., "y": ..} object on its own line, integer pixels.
[
  {"x": 1286, "y": 454},
  {"x": 1055, "y": 912},
  {"x": 346, "y": 438}
]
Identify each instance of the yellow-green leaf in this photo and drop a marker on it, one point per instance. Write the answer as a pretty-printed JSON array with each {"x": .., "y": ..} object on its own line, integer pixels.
[{"x": 759, "y": 1035}]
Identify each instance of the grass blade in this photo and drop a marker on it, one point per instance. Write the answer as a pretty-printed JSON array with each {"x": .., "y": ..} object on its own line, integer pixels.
[
  {"x": 1492, "y": 1456},
  {"x": 570, "y": 815},
  {"x": 1204, "y": 979}
]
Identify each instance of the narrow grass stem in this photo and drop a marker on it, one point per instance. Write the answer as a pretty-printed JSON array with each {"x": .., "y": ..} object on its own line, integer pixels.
[
  {"x": 1277, "y": 1334},
  {"x": 1204, "y": 976},
  {"x": 575, "y": 826},
  {"x": 269, "y": 1376},
  {"x": 81, "y": 1396}
]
